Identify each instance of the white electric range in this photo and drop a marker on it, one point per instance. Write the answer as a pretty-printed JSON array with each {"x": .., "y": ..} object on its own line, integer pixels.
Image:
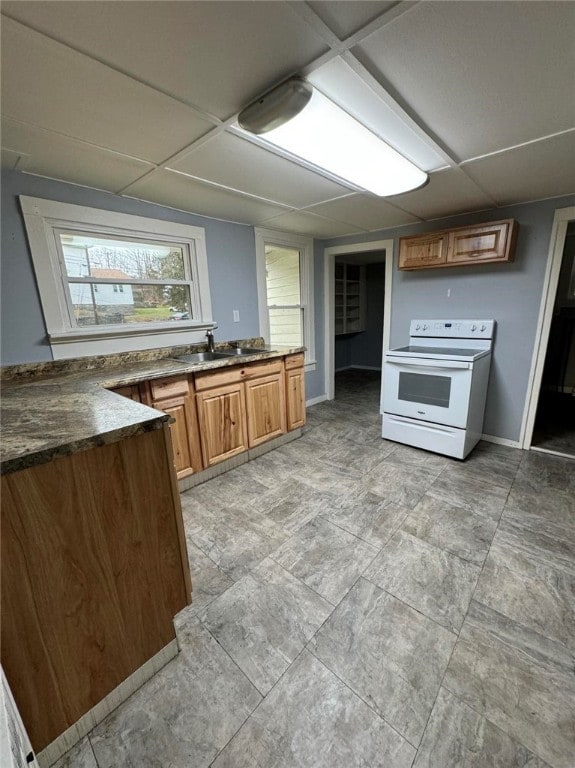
[{"x": 434, "y": 389}]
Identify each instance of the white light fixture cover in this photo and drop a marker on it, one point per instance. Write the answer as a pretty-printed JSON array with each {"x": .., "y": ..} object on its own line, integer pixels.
[{"x": 328, "y": 137}]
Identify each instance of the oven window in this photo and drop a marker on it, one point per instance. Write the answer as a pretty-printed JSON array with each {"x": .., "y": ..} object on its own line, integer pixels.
[{"x": 425, "y": 389}]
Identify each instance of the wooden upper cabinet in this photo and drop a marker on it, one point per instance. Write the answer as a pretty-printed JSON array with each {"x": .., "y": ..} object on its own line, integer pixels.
[
  {"x": 423, "y": 251},
  {"x": 265, "y": 406},
  {"x": 486, "y": 243},
  {"x": 222, "y": 416},
  {"x": 480, "y": 243},
  {"x": 175, "y": 395}
]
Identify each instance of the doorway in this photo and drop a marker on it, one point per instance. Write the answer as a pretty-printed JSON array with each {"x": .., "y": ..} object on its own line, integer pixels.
[
  {"x": 358, "y": 282},
  {"x": 549, "y": 423}
]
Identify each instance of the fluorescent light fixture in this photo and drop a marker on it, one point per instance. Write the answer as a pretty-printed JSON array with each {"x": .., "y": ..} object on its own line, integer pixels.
[{"x": 299, "y": 119}]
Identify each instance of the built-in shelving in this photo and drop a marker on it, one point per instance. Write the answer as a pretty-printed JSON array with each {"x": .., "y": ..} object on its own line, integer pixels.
[{"x": 349, "y": 298}]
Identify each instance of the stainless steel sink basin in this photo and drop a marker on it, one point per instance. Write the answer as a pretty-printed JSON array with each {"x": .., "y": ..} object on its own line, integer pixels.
[
  {"x": 239, "y": 351},
  {"x": 202, "y": 357}
]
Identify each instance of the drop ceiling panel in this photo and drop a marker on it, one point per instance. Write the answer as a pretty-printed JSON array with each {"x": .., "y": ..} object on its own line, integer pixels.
[
  {"x": 306, "y": 223},
  {"x": 533, "y": 172},
  {"x": 237, "y": 163},
  {"x": 482, "y": 76},
  {"x": 448, "y": 192},
  {"x": 59, "y": 157},
  {"x": 179, "y": 191},
  {"x": 9, "y": 159},
  {"x": 217, "y": 56},
  {"x": 365, "y": 212},
  {"x": 341, "y": 84},
  {"x": 48, "y": 84},
  {"x": 347, "y": 16}
]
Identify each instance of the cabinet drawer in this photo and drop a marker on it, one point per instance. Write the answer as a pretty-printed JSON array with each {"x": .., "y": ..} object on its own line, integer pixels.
[
  {"x": 219, "y": 378},
  {"x": 294, "y": 361},
  {"x": 171, "y": 386}
]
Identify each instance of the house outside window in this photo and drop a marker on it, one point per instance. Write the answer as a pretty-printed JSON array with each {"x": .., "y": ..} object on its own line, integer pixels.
[
  {"x": 113, "y": 282},
  {"x": 285, "y": 290}
]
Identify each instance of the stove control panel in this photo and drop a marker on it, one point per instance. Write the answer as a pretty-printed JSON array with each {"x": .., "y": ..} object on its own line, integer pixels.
[{"x": 453, "y": 329}]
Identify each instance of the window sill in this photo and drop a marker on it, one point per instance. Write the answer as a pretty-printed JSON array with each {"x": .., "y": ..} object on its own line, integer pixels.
[{"x": 106, "y": 341}]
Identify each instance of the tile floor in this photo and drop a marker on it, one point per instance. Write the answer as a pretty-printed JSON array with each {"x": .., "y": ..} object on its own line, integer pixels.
[{"x": 360, "y": 603}]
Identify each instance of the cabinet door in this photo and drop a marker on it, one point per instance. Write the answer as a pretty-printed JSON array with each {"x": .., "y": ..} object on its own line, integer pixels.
[
  {"x": 184, "y": 429},
  {"x": 222, "y": 416},
  {"x": 295, "y": 396},
  {"x": 423, "y": 251},
  {"x": 487, "y": 242},
  {"x": 265, "y": 406},
  {"x": 131, "y": 391}
]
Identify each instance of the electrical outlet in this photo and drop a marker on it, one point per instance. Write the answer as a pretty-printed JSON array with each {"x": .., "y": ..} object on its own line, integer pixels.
[{"x": 236, "y": 315}]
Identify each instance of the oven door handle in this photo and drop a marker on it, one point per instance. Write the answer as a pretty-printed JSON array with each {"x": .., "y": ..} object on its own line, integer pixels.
[{"x": 446, "y": 365}]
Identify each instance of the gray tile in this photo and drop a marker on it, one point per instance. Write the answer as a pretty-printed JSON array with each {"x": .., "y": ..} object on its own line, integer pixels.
[
  {"x": 520, "y": 681},
  {"x": 533, "y": 535},
  {"x": 321, "y": 477},
  {"x": 272, "y": 469},
  {"x": 388, "y": 653},
  {"x": 543, "y": 504},
  {"x": 306, "y": 449},
  {"x": 416, "y": 457},
  {"x": 495, "y": 464},
  {"x": 235, "y": 539},
  {"x": 365, "y": 515},
  {"x": 312, "y": 720},
  {"x": 517, "y": 584},
  {"x": 208, "y": 581},
  {"x": 454, "y": 529},
  {"x": 403, "y": 484},
  {"x": 233, "y": 488},
  {"x": 470, "y": 493},
  {"x": 325, "y": 557},
  {"x": 542, "y": 470},
  {"x": 184, "y": 715},
  {"x": 80, "y": 756},
  {"x": 356, "y": 459},
  {"x": 293, "y": 504},
  {"x": 457, "y": 737},
  {"x": 265, "y": 620},
  {"x": 432, "y": 581}
]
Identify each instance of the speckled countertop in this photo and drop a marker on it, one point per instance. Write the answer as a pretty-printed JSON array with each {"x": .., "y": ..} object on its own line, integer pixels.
[{"x": 50, "y": 410}]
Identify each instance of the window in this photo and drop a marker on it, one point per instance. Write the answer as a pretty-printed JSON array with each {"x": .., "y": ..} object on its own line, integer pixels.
[
  {"x": 285, "y": 290},
  {"x": 112, "y": 282}
]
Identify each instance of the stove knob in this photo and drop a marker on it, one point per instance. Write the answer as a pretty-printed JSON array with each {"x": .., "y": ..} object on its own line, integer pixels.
[
  {"x": 483, "y": 328},
  {"x": 417, "y": 327},
  {"x": 473, "y": 327},
  {"x": 424, "y": 327}
]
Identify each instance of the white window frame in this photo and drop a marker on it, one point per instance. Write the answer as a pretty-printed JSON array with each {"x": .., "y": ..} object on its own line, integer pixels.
[
  {"x": 43, "y": 219},
  {"x": 305, "y": 246}
]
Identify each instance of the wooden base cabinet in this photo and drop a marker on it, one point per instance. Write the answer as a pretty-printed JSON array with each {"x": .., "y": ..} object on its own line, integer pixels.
[
  {"x": 94, "y": 568},
  {"x": 222, "y": 417},
  {"x": 266, "y": 411},
  {"x": 175, "y": 396},
  {"x": 295, "y": 391}
]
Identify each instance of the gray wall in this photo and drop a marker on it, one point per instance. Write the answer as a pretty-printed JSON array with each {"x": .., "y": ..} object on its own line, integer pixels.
[
  {"x": 231, "y": 263},
  {"x": 509, "y": 293}
]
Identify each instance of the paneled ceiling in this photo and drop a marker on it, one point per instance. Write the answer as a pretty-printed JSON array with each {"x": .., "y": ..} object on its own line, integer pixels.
[{"x": 141, "y": 99}]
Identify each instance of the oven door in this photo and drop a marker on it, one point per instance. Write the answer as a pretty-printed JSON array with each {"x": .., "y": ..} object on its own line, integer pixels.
[{"x": 429, "y": 390}]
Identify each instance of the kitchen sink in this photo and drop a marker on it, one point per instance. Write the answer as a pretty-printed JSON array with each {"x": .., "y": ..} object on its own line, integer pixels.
[
  {"x": 202, "y": 357},
  {"x": 239, "y": 351}
]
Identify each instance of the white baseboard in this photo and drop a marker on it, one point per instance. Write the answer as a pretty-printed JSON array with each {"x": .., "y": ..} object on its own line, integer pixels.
[
  {"x": 501, "y": 441},
  {"x": 316, "y": 400}
]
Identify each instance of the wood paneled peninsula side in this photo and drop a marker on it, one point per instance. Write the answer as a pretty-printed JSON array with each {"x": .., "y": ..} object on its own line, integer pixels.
[{"x": 94, "y": 562}]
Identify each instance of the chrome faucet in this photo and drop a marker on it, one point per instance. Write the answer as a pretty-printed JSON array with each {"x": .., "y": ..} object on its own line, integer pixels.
[{"x": 210, "y": 338}]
